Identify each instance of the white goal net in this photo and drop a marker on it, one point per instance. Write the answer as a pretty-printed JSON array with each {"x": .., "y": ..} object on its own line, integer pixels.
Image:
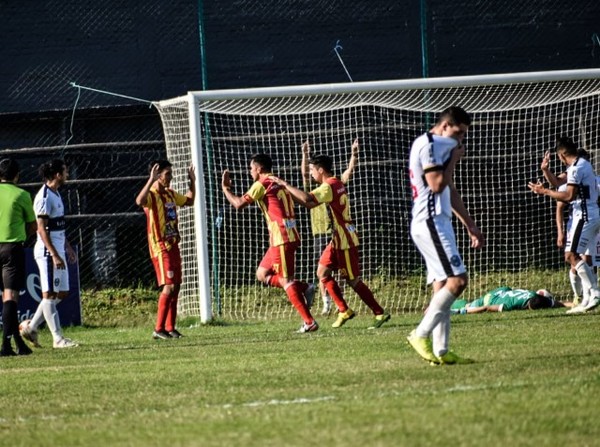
[{"x": 516, "y": 118}]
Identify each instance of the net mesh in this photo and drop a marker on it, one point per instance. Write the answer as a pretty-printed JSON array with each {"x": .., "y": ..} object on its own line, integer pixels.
[{"x": 513, "y": 125}]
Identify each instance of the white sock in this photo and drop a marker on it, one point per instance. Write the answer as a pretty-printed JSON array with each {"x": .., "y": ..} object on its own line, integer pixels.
[
  {"x": 575, "y": 283},
  {"x": 38, "y": 317},
  {"x": 589, "y": 289},
  {"x": 438, "y": 308},
  {"x": 51, "y": 317},
  {"x": 441, "y": 335},
  {"x": 326, "y": 299}
]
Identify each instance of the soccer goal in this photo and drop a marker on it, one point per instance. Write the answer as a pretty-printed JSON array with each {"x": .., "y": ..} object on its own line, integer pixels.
[{"x": 516, "y": 118}]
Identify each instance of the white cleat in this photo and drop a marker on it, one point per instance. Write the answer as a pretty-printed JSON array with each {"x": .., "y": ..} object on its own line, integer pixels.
[{"x": 65, "y": 343}]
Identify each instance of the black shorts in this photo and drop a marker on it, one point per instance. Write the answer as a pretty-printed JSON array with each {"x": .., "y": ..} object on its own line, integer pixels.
[{"x": 12, "y": 266}]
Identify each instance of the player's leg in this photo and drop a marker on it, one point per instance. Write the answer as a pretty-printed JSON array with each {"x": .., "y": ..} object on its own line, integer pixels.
[
  {"x": 12, "y": 279},
  {"x": 161, "y": 268},
  {"x": 284, "y": 265},
  {"x": 327, "y": 265},
  {"x": 579, "y": 238},
  {"x": 174, "y": 279},
  {"x": 320, "y": 242},
  {"x": 446, "y": 271}
]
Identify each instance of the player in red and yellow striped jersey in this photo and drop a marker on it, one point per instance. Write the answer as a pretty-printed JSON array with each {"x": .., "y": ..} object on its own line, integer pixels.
[
  {"x": 160, "y": 204},
  {"x": 342, "y": 252},
  {"x": 278, "y": 265}
]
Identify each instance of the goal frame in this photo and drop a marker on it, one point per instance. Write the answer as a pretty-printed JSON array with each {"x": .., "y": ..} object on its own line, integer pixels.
[{"x": 196, "y": 98}]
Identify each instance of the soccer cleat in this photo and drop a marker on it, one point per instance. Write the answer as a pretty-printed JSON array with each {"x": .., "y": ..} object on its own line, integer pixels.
[
  {"x": 450, "y": 358},
  {"x": 422, "y": 346},
  {"x": 379, "y": 320},
  {"x": 593, "y": 303},
  {"x": 175, "y": 334},
  {"x": 29, "y": 334},
  {"x": 64, "y": 343},
  {"x": 343, "y": 317},
  {"x": 326, "y": 305},
  {"x": 161, "y": 335},
  {"x": 308, "y": 327},
  {"x": 576, "y": 310},
  {"x": 8, "y": 352},
  {"x": 309, "y": 295}
]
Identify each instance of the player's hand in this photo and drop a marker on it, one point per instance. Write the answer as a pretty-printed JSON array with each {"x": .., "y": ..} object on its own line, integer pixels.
[
  {"x": 58, "y": 262},
  {"x": 560, "y": 240},
  {"x": 155, "y": 172},
  {"x": 477, "y": 239},
  {"x": 537, "y": 187},
  {"x": 278, "y": 180},
  {"x": 71, "y": 254},
  {"x": 355, "y": 147},
  {"x": 192, "y": 173},
  {"x": 225, "y": 179},
  {"x": 306, "y": 148},
  {"x": 545, "y": 161}
]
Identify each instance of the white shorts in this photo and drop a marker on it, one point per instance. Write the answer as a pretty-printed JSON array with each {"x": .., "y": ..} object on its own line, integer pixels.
[
  {"x": 53, "y": 279},
  {"x": 581, "y": 235},
  {"x": 436, "y": 241}
]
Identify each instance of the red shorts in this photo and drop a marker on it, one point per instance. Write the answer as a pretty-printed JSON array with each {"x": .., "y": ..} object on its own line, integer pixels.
[
  {"x": 281, "y": 259},
  {"x": 167, "y": 266},
  {"x": 346, "y": 261}
]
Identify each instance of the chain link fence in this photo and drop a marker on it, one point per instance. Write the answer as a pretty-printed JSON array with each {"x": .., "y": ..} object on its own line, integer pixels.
[{"x": 161, "y": 50}]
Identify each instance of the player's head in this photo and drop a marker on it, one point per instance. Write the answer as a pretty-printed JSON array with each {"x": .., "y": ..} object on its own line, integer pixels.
[
  {"x": 454, "y": 122},
  {"x": 9, "y": 170},
  {"x": 319, "y": 165},
  {"x": 54, "y": 170},
  {"x": 165, "y": 171},
  {"x": 566, "y": 148},
  {"x": 541, "y": 300},
  {"x": 260, "y": 164}
]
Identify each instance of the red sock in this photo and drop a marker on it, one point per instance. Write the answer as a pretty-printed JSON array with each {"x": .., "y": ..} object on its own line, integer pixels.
[
  {"x": 171, "y": 314},
  {"x": 163, "y": 309},
  {"x": 293, "y": 291},
  {"x": 335, "y": 293},
  {"x": 366, "y": 295}
]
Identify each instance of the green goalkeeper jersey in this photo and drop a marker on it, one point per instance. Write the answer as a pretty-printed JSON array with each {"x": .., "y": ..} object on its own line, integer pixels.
[{"x": 510, "y": 299}]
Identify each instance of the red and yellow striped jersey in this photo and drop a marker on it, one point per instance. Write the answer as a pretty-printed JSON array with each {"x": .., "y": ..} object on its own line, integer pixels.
[
  {"x": 161, "y": 216},
  {"x": 333, "y": 192},
  {"x": 278, "y": 208}
]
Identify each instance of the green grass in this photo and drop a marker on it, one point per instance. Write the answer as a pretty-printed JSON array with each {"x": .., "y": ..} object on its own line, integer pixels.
[{"x": 536, "y": 381}]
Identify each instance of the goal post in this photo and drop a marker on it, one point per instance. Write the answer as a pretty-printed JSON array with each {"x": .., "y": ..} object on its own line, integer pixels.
[{"x": 516, "y": 118}]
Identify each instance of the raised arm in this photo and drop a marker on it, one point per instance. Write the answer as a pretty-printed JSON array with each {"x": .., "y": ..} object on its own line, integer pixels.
[
  {"x": 304, "y": 165},
  {"x": 142, "y": 197},
  {"x": 236, "y": 201},
  {"x": 191, "y": 193},
  {"x": 554, "y": 180},
  {"x": 352, "y": 163}
]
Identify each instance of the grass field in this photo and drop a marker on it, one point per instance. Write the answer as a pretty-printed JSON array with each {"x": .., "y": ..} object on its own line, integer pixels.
[{"x": 536, "y": 381}]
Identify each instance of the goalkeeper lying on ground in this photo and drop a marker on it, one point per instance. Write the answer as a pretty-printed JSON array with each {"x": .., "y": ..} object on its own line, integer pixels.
[{"x": 504, "y": 299}]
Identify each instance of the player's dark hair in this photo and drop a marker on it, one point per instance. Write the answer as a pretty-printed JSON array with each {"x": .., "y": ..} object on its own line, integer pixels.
[
  {"x": 540, "y": 302},
  {"x": 455, "y": 116},
  {"x": 582, "y": 153},
  {"x": 162, "y": 165},
  {"x": 567, "y": 145},
  {"x": 263, "y": 160},
  {"x": 322, "y": 161},
  {"x": 50, "y": 168},
  {"x": 9, "y": 169}
]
